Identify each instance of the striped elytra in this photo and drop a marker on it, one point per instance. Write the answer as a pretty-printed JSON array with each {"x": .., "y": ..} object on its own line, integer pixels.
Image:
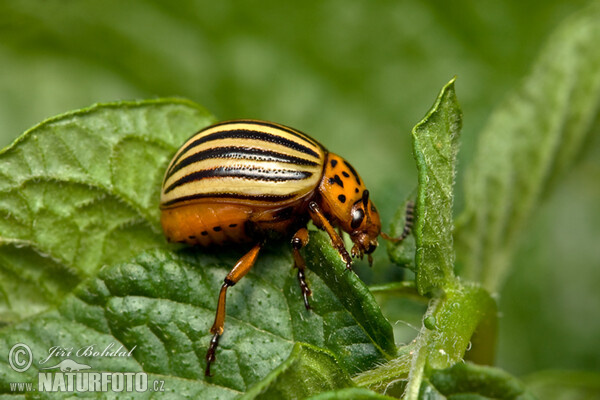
[
  {"x": 250, "y": 161},
  {"x": 246, "y": 181}
]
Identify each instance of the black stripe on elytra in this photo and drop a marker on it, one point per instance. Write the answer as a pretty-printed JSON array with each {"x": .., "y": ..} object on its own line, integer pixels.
[
  {"x": 275, "y": 125},
  {"x": 237, "y": 196},
  {"x": 336, "y": 179},
  {"x": 245, "y": 134},
  {"x": 235, "y": 152},
  {"x": 351, "y": 168},
  {"x": 255, "y": 174}
]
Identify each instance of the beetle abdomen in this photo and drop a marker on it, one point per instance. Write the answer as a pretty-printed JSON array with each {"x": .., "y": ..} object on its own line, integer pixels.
[
  {"x": 206, "y": 224},
  {"x": 244, "y": 162}
]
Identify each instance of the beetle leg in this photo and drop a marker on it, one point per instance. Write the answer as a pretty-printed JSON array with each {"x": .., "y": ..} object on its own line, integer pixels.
[
  {"x": 409, "y": 217},
  {"x": 319, "y": 219},
  {"x": 240, "y": 269},
  {"x": 300, "y": 240}
]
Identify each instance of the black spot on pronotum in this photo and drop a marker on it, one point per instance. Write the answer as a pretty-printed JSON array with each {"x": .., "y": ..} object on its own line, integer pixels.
[
  {"x": 333, "y": 163},
  {"x": 217, "y": 228},
  {"x": 204, "y": 233},
  {"x": 232, "y": 225},
  {"x": 353, "y": 171},
  {"x": 336, "y": 180},
  {"x": 342, "y": 198},
  {"x": 345, "y": 174},
  {"x": 355, "y": 190},
  {"x": 191, "y": 237}
]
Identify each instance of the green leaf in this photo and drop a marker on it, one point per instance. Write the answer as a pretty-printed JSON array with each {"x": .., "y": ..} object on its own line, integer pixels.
[
  {"x": 531, "y": 139},
  {"x": 308, "y": 370},
  {"x": 325, "y": 261},
  {"x": 435, "y": 143},
  {"x": 350, "y": 394},
  {"x": 79, "y": 186},
  {"x": 391, "y": 377},
  {"x": 162, "y": 304},
  {"x": 466, "y": 379},
  {"x": 457, "y": 310},
  {"x": 448, "y": 327}
]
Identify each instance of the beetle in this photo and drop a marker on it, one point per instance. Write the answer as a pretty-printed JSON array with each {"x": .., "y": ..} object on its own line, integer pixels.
[{"x": 248, "y": 181}]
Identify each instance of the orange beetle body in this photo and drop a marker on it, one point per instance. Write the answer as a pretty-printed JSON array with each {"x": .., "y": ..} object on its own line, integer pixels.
[
  {"x": 248, "y": 181},
  {"x": 239, "y": 216}
]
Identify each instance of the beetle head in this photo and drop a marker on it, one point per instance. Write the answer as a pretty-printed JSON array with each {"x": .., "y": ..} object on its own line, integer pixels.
[
  {"x": 365, "y": 226},
  {"x": 345, "y": 200}
]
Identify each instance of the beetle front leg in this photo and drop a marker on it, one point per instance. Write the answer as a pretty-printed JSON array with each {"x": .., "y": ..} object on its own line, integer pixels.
[
  {"x": 240, "y": 269},
  {"x": 409, "y": 217},
  {"x": 319, "y": 219},
  {"x": 300, "y": 240}
]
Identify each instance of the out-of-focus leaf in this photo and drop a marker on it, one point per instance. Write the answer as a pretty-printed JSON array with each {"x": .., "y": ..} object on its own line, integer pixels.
[
  {"x": 307, "y": 371},
  {"x": 435, "y": 144},
  {"x": 480, "y": 382},
  {"x": 162, "y": 304},
  {"x": 564, "y": 385},
  {"x": 76, "y": 188},
  {"x": 530, "y": 140}
]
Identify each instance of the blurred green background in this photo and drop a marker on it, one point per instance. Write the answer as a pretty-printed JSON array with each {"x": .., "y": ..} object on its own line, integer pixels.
[{"x": 356, "y": 75}]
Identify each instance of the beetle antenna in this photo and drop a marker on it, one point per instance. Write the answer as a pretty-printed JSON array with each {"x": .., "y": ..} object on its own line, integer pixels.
[
  {"x": 365, "y": 201},
  {"x": 365, "y": 197}
]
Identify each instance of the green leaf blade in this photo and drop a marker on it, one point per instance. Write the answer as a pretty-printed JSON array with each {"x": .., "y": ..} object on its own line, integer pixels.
[
  {"x": 435, "y": 144},
  {"x": 161, "y": 305},
  {"x": 78, "y": 186},
  {"x": 326, "y": 263},
  {"x": 307, "y": 371}
]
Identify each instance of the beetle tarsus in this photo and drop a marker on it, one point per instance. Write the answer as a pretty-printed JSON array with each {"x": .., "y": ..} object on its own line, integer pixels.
[
  {"x": 409, "y": 218},
  {"x": 211, "y": 353},
  {"x": 349, "y": 265},
  {"x": 304, "y": 287}
]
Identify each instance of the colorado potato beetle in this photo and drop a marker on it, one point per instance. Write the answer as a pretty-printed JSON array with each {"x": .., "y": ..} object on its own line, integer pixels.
[{"x": 246, "y": 181}]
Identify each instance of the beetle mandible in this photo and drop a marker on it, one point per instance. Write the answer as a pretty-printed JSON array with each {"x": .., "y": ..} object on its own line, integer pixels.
[{"x": 247, "y": 181}]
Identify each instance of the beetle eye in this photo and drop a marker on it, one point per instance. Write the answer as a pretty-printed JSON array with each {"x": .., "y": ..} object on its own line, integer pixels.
[{"x": 357, "y": 218}]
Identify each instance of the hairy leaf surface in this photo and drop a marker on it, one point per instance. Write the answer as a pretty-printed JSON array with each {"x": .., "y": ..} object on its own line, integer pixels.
[{"x": 81, "y": 190}]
